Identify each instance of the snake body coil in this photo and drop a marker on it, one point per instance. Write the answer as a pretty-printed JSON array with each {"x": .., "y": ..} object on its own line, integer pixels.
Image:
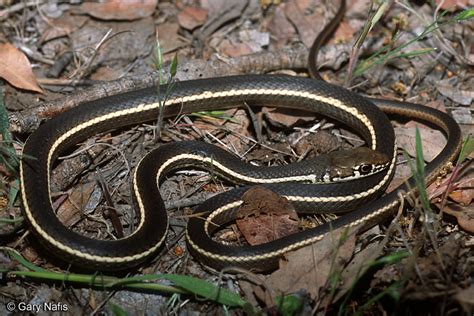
[{"x": 75, "y": 125}]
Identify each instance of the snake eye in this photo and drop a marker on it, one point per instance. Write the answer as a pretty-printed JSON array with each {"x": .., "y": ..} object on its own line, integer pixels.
[{"x": 365, "y": 169}]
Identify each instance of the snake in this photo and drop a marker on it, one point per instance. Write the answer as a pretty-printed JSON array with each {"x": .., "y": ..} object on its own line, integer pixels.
[{"x": 349, "y": 183}]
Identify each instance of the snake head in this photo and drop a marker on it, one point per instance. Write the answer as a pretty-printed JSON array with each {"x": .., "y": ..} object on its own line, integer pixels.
[{"x": 356, "y": 163}]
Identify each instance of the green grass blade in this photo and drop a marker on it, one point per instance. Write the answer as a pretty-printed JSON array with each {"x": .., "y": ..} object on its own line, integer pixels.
[
  {"x": 183, "y": 284},
  {"x": 15, "y": 255},
  {"x": 391, "y": 291},
  {"x": 117, "y": 310},
  {"x": 466, "y": 149},
  {"x": 464, "y": 15},
  {"x": 420, "y": 169},
  {"x": 174, "y": 66},
  {"x": 205, "y": 289},
  {"x": 389, "y": 259},
  {"x": 288, "y": 305}
]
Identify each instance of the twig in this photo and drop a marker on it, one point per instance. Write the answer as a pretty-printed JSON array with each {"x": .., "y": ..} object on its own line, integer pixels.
[{"x": 16, "y": 7}]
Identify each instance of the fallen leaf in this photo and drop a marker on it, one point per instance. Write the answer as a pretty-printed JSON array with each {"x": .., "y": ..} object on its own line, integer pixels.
[
  {"x": 316, "y": 143},
  {"x": 265, "y": 216},
  {"x": 125, "y": 42},
  {"x": 62, "y": 26},
  {"x": 234, "y": 49},
  {"x": 465, "y": 218},
  {"x": 357, "y": 267},
  {"x": 433, "y": 141},
  {"x": 254, "y": 39},
  {"x": 221, "y": 12},
  {"x": 70, "y": 212},
  {"x": 464, "y": 193},
  {"x": 168, "y": 36},
  {"x": 287, "y": 117},
  {"x": 120, "y": 9},
  {"x": 463, "y": 116},
  {"x": 452, "y": 5},
  {"x": 306, "y": 29},
  {"x": 264, "y": 228},
  {"x": 106, "y": 73},
  {"x": 447, "y": 88},
  {"x": 16, "y": 68},
  {"x": 190, "y": 17},
  {"x": 282, "y": 29},
  {"x": 260, "y": 200},
  {"x": 311, "y": 267},
  {"x": 344, "y": 33},
  {"x": 249, "y": 41},
  {"x": 216, "y": 7}
]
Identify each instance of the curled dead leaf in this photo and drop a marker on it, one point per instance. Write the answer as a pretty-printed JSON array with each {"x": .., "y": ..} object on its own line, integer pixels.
[
  {"x": 433, "y": 141},
  {"x": 16, "y": 68},
  {"x": 190, "y": 17},
  {"x": 265, "y": 216},
  {"x": 120, "y": 9},
  {"x": 465, "y": 218},
  {"x": 311, "y": 267}
]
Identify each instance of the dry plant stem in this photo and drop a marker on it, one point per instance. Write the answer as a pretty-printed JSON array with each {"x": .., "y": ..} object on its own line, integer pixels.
[
  {"x": 66, "y": 82},
  {"x": 15, "y": 8},
  {"x": 255, "y": 123},
  {"x": 112, "y": 208},
  {"x": 444, "y": 43},
  {"x": 454, "y": 175},
  {"x": 60, "y": 64},
  {"x": 67, "y": 171}
]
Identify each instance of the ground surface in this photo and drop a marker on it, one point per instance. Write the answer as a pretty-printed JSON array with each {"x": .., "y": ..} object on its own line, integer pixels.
[{"x": 55, "y": 56}]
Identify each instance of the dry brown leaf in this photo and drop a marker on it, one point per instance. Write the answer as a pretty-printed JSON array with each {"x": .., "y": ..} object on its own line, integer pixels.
[
  {"x": 262, "y": 229},
  {"x": 254, "y": 39},
  {"x": 260, "y": 200},
  {"x": 120, "y": 9},
  {"x": 287, "y": 117},
  {"x": 274, "y": 216},
  {"x": 62, "y": 26},
  {"x": 316, "y": 143},
  {"x": 234, "y": 49},
  {"x": 465, "y": 218},
  {"x": 357, "y": 267},
  {"x": 305, "y": 28},
  {"x": 464, "y": 194},
  {"x": 310, "y": 268},
  {"x": 452, "y": 5},
  {"x": 168, "y": 36},
  {"x": 16, "y": 68},
  {"x": 70, "y": 212},
  {"x": 344, "y": 33},
  {"x": 190, "y": 17},
  {"x": 282, "y": 30},
  {"x": 221, "y": 12},
  {"x": 433, "y": 141},
  {"x": 126, "y": 41},
  {"x": 447, "y": 88},
  {"x": 106, "y": 73}
]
